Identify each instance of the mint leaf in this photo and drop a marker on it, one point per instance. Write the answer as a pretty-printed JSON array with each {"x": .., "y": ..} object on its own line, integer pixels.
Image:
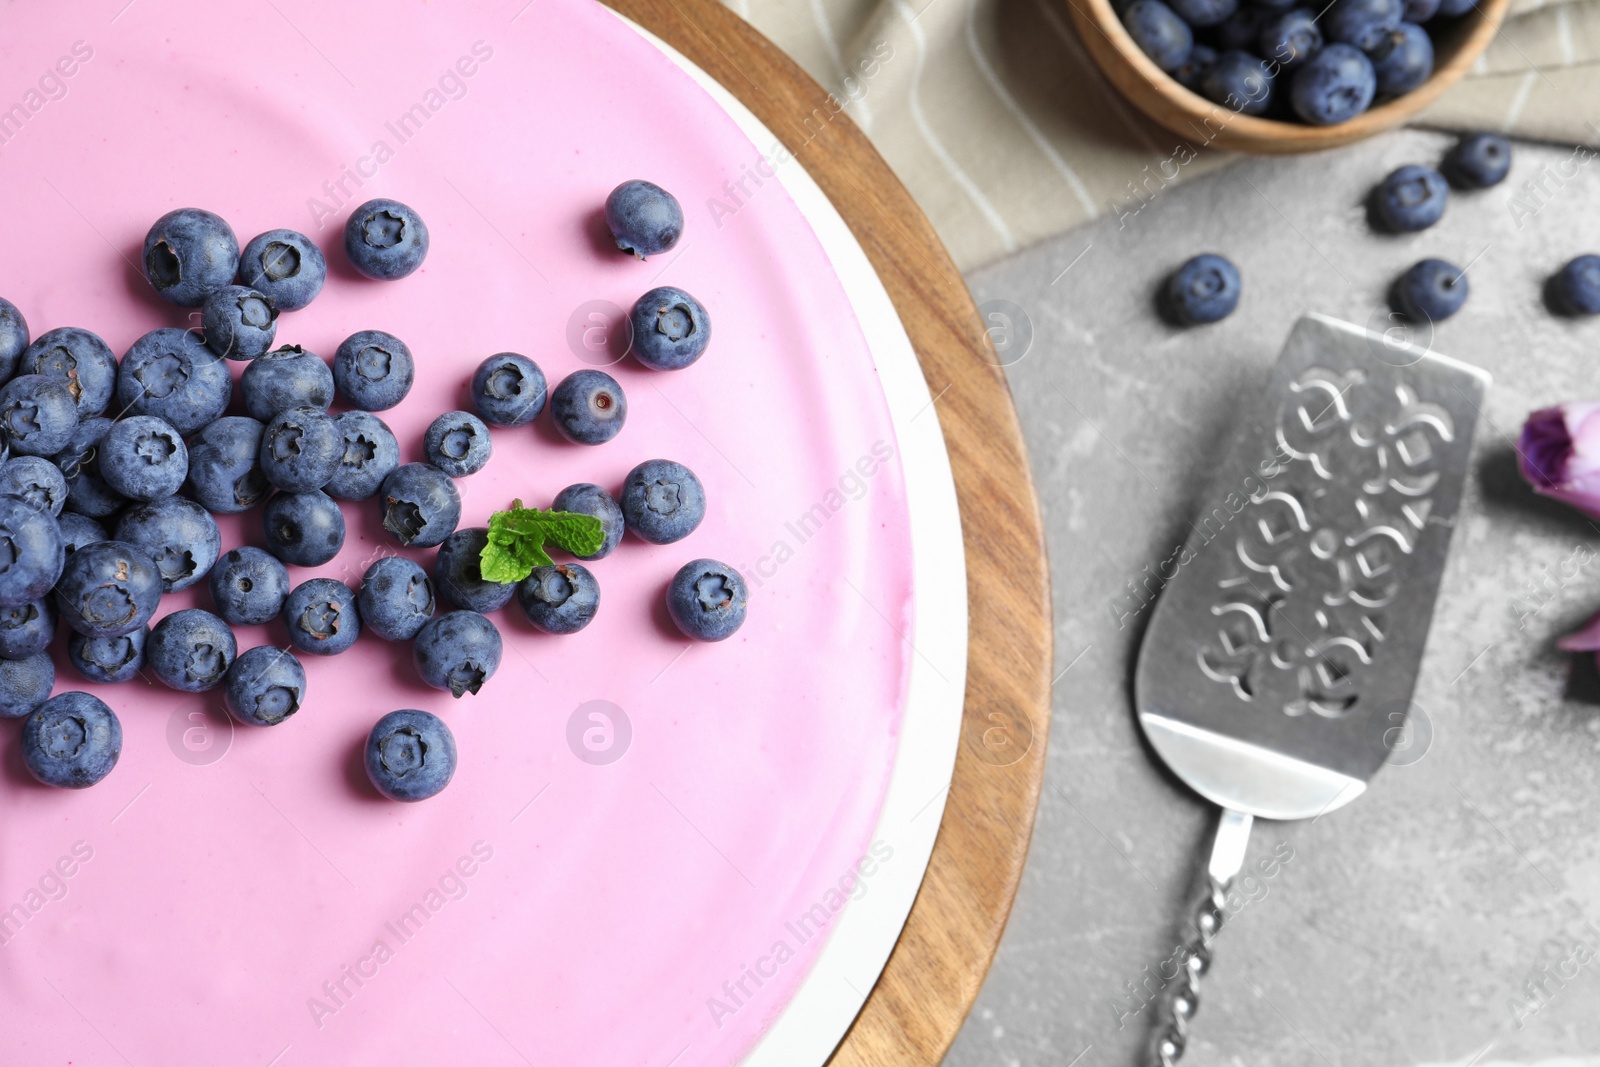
[{"x": 517, "y": 538}]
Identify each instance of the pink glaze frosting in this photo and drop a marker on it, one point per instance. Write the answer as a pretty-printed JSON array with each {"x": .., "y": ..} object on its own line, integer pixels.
[{"x": 242, "y": 895}]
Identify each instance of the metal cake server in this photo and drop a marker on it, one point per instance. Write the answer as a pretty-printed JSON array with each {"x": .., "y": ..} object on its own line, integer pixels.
[{"x": 1277, "y": 671}]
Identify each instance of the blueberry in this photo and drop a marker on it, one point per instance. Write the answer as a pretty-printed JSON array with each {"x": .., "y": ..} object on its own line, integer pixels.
[
  {"x": 1454, "y": 8},
  {"x": 108, "y": 660},
  {"x": 248, "y": 586},
  {"x": 395, "y": 598},
  {"x": 1204, "y": 289},
  {"x": 239, "y": 322},
  {"x": 72, "y": 741},
  {"x": 508, "y": 390},
  {"x": 1419, "y": 10},
  {"x": 189, "y": 254},
  {"x": 1291, "y": 38},
  {"x": 1361, "y": 23},
  {"x": 385, "y": 240},
  {"x": 420, "y": 505},
  {"x": 305, "y": 529},
  {"x": 1241, "y": 29},
  {"x": 707, "y": 600},
  {"x": 370, "y": 454},
  {"x": 1410, "y": 198},
  {"x": 1204, "y": 12},
  {"x": 373, "y": 370},
  {"x": 38, "y": 415},
  {"x": 644, "y": 218},
  {"x": 1159, "y": 33},
  {"x": 586, "y": 498},
  {"x": 1402, "y": 59},
  {"x": 78, "y": 359},
  {"x": 589, "y": 407},
  {"x": 225, "y": 473},
  {"x": 27, "y": 628},
  {"x": 191, "y": 650},
  {"x": 144, "y": 458},
  {"x": 561, "y": 599},
  {"x": 108, "y": 589},
  {"x": 171, "y": 373},
  {"x": 79, "y": 463},
  {"x": 410, "y": 755},
  {"x": 180, "y": 537},
  {"x": 286, "y": 377},
  {"x": 1336, "y": 84},
  {"x": 30, "y": 548},
  {"x": 670, "y": 329},
  {"x": 1575, "y": 288},
  {"x": 322, "y": 617},
  {"x": 1430, "y": 290},
  {"x": 457, "y": 651},
  {"x": 1478, "y": 161},
  {"x": 1239, "y": 81},
  {"x": 301, "y": 448},
  {"x": 25, "y": 683},
  {"x": 1202, "y": 57},
  {"x": 284, "y": 265},
  {"x": 456, "y": 574},
  {"x": 264, "y": 686},
  {"x": 457, "y": 443},
  {"x": 13, "y": 338},
  {"x": 79, "y": 530},
  {"x": 36, "y": 482},
  {"x": 662, "y": 501}
]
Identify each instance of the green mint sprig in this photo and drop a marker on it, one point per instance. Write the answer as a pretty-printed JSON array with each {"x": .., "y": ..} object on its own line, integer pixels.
[{"x": 518, "y": 535}]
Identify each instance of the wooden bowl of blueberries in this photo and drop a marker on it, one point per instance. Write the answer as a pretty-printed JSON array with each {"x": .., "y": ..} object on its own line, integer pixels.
[{"x": 1271, "y": 76}]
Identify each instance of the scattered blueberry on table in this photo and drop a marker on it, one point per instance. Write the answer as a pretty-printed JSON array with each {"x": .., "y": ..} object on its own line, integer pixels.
[
  {"x": 321, "y": 616},
  {"x": 708, "y": 600},
  {"x": 589, "y": 407},
  {"x": 106, "y": 589},
  {"x": 27, "y": 628},
  {"x": 36, "y": 482},
  {"x": 108, "y": 660},
  {"x": 144, "y": 458},
  {"x": 306, "y": 529},
  {"x": 286, "y": 377},
  {"x": 373, "y": 370},
  {"x": 1478, "y": 161},
  {"x": 78, "y": 359},
  {"x": 508, "y": 390},
  {"x": 586, "y": 498},
  {"x": 1575, "y": 288},
  {"x": 1203, "y": 289},
  {"x": 239, "y": 323},
  {"x": 248, "y": 586},
  {"x": 395, "y": 598},
  {"x": 370, "y": 454},
  {"x": 662, "y": 501},
  {"x": 189, "y": 254},
  {"x": 410, "y": 755},
  {"x": 457, "y": 442},
  {"x": 25, "y": 683},
  {"x": 457, "y": 652},
  {"x": 73, "y": 740},
  {"x": 1410, "y": 198},
  {"x": 644, "y": 218},
  {"x": 671, "y": 329},
  {"x": 265, "y": 686},
  {"x": 559, "y": 599},
  {"x": 285, "y": 265},
  {"x": 385, "y": 240},
  {"x": 191, "y": 650},
  {"x": 33, "y": 542},
  {"x": 1430, "y": 290}
]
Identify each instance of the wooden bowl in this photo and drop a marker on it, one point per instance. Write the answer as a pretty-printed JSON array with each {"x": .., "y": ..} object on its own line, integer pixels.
[{"x": 1456, "y": 46}]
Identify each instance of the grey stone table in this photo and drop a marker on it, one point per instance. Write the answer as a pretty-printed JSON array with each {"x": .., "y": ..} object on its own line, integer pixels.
[{"x": 1453, "y": 911}]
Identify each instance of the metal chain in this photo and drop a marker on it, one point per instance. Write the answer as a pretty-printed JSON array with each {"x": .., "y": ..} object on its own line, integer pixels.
[{"x": 1181, "y": 997}]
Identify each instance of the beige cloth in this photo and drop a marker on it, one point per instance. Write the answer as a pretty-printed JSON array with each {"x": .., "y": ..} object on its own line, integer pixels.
[{"x": 995, "y": 117}]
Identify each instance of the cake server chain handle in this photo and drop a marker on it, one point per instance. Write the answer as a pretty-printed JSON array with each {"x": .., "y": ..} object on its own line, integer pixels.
[{"x": 1181, "y": 997}]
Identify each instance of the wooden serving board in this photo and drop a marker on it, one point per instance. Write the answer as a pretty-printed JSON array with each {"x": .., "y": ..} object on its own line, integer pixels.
[{"x": 930, "y": 981}]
